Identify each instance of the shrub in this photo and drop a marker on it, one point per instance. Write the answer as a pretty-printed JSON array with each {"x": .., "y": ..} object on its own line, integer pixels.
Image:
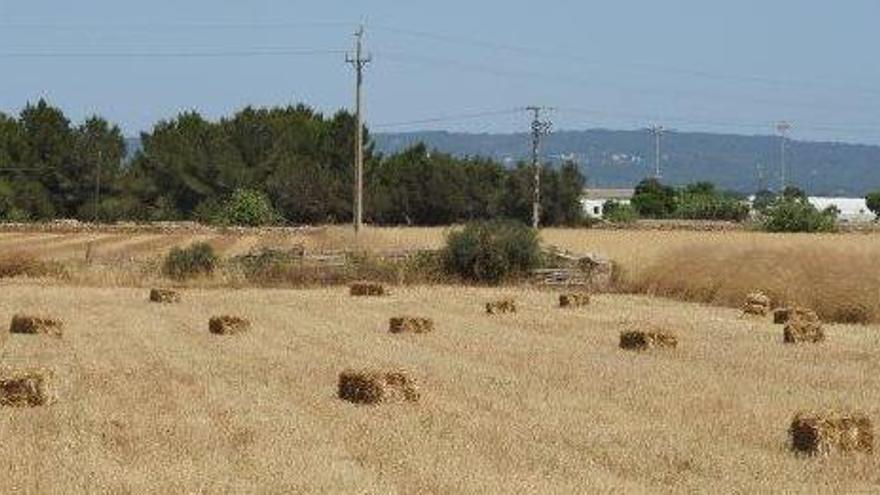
[
  {"x": 798, "y": 215},
  {"x": 246, "y": 207},
  {"x": 491, "y": 252},
  {"x": 711, "y": 207},
  {"x": 616, "y": 212},
  {"x": 872, "y": 201},
  {"x": 195, "y": 260}
]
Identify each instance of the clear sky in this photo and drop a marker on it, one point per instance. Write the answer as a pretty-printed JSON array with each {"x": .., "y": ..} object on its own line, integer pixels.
[{"x": 733, "y": 66}]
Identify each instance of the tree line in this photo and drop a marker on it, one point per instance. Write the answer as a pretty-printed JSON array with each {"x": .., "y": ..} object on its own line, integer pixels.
[{"x": 292, "y": 164}]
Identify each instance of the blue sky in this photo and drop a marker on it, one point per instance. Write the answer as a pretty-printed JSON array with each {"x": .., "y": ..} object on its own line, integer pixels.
[{"x": 734, "y": 66}]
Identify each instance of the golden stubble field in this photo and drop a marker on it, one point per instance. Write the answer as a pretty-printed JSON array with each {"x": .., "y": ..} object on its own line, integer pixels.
[{"x": 542, "y": 401}]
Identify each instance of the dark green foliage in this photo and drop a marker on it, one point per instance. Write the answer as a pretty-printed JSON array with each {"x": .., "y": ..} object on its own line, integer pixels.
[
  {"x": 872, "y": 201},
  {"x": 492, "y": 252},
  {"x": 764, "y": 199},
  {"x": 196, "y": 260},
  {"x": 798, "y": 215},
  {"x": 652, "y": 199}
]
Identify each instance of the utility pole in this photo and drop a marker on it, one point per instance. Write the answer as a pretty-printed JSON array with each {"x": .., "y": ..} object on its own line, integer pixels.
[
  {"x": 359, "y": 62},
  {"x": 539, "y": 129},
  {"x": 762, "y": 179},
  {"x": 657, "y": 132},
  {"x": 98, "y": 184},
  {"x": 782, "y": 129}
]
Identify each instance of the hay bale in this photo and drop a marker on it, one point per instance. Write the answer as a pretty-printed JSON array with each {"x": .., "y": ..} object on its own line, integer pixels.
[
  {"x": 164, "y": 296},
  {"x": 832, "y": 432},
  {"x": 755, "y": 310},
  {"x": 26, "y": 388},
  {"x": 367, "y": 289},
  {"x": 798, "y": 331},
  {"x": 36, "y": 325},
  {"x": 756, "y": 304},
  {"x": 574, "y": 300},
  {"x": 410, "y": 324},
  {"x": 782, "y": 316},
  {"x": 228, "y": 325},
  {"x": 758, "y": 298},
  {"x": 640, "y": 340},
  {"x": 501, "y": 306},
  {"x": 374, "y": 387}
]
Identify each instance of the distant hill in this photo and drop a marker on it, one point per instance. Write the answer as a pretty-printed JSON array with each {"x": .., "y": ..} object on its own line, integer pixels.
[{"x": 622, "y": 158}]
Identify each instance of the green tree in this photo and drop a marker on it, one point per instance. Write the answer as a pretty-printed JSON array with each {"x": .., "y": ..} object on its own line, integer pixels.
[{"x": 652, "y": 199}]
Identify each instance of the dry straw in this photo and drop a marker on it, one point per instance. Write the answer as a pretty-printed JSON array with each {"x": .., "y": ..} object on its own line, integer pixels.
[
  {"x": 410, "y": 324},
  {"x": 501, "y": 306},
  {"x": 228, "y": 325},
  {"x": 26, "y": 388},
  {"x": 574, "y": 300},
  {"x": 799, "y": 331},
  {"x": 367, "y": 289},
  {"x": 36, "y": 325},
  {"x": 757, "y": 304},
  {"x": 824, "y": 434},
  {"x": 164, "y": 296},
  {"x": 374, "y": 387},
  {"x": 646, "y": 339}
]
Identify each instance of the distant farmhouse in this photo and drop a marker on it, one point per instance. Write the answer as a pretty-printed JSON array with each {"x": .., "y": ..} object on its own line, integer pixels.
[{"x": 593, "y": 200}]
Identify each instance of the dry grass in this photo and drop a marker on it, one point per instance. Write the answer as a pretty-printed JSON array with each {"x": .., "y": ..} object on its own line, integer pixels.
[
  {"x": 799, "y": 331},
  {"x": 149, "y": 402},
  {"x": 840, "y": 283},
  {"x": 366, "y": 289},
  {"x": 574, "y": 300}
]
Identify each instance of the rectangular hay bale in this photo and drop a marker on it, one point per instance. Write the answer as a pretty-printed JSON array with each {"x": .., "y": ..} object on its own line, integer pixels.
[
  {"x": 645, "y": 339},
  {"x": 798, "y": 331},
  {"x": 374, "y": 387},
  {"x": 410, "y": 324},
  {"x": 833, "y": 432},
  {"x": 26, "y": 388},
  {"x": 366, "y": 289},
  {"x": 574, "y": 300},
  {"x": 228, "y": 325},
  {"x": 501, "y": 306},
  {"x": 164, "y": 296},
  {"x": 36, "y": 325}
]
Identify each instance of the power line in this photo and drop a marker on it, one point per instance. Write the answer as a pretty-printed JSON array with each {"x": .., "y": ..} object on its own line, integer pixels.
[
  {"x": 255, "y": 52},
  {"x": 447, "y": 118}
]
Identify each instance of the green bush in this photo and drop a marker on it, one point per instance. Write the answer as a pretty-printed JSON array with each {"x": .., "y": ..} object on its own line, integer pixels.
[
  {"x": 245, "y": 207},
  {"x": 616, "y": 212},
  {"x": 798, "y": 215},
  {"x": 196, "y": 260},
  {"x": 872, "y": 201},
  {"x": 492, "y": 252},
  {"x": 652, "y": 199},
  {"x": 711, "y": 207}
]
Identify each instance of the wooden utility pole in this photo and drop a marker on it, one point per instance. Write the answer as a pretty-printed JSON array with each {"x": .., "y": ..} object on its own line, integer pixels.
[
  {"x": 359, "y": 62},
  {"x": 539, "y": 129}
]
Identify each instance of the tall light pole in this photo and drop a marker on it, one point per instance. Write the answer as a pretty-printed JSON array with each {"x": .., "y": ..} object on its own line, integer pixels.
[
  {"x": 782, "y": 129},
  {"x": 359, "y": 62},
  {"x": 539, "y": 129}
]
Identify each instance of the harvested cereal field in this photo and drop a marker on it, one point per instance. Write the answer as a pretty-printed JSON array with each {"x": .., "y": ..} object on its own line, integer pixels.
[{"x": 147, "y": 400}]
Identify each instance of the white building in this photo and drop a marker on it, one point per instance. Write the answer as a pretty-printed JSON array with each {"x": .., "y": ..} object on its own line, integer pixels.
[
  {"x": 593, "y": 200},
  {"x": 851, "y": 209}
]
